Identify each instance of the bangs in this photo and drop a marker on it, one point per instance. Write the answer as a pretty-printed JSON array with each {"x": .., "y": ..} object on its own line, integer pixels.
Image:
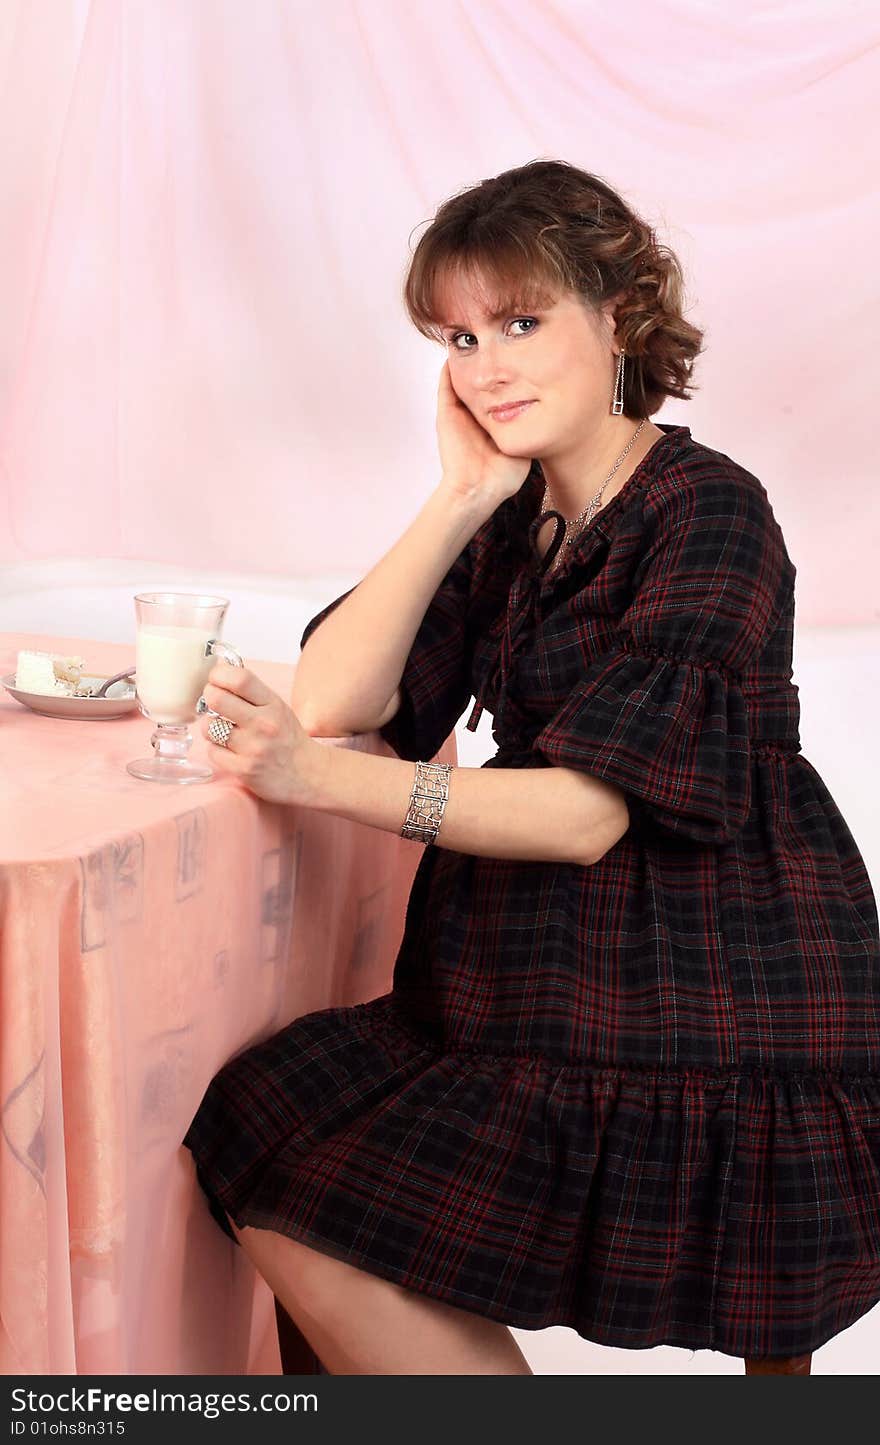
[{"x": 503, "y": 284}]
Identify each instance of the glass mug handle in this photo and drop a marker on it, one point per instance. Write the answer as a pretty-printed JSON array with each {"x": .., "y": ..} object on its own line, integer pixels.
[{"x": 216, "y": 648}]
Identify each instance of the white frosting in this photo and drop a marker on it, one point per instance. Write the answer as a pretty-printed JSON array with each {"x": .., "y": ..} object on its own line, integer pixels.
[{"x": 48, "y": 673}]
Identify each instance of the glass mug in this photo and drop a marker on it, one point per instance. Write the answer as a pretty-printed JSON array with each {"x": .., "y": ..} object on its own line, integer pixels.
[{"x": 177, "y": 643}]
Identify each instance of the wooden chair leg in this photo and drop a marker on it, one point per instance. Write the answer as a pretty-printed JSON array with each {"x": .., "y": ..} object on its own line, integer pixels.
[
  {"x": 297, "y": 1355},
  {"x": 773, "y": 1365}
]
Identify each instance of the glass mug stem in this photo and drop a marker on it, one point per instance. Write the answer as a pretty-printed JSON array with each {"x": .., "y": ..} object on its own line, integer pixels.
[{"x": 171, "y": 742}]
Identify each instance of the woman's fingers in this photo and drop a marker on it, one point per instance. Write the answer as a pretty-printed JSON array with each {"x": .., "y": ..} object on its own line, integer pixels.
[
  {"x": 239, "y": 682},
  {"x": 236, "y": 693},
  {"x": 236, "y": 709},
  {"x": 446, "y": 390}
]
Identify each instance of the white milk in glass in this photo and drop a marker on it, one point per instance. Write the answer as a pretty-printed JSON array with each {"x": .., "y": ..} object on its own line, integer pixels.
[{"x": 172, "y": 670}]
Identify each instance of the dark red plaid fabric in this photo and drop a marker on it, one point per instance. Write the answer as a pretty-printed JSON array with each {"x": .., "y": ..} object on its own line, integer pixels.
[{"x": 642, "y": 1098}]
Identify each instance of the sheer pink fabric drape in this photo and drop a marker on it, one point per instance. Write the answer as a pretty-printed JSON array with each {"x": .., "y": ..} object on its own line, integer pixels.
[{"x": 205, "y": 213}]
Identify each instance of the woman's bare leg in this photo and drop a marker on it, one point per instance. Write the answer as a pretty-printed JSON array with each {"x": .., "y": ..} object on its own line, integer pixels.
[
  {"x": 360, "y": 1324},
  {"x": 770, "y": 1365}
]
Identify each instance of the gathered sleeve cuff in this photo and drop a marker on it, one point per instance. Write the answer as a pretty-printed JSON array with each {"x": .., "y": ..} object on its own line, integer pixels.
[{"x": 670, "y": 733}]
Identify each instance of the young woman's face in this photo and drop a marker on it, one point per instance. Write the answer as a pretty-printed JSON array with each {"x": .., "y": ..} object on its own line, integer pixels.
[{"x": 562, "y": 360}]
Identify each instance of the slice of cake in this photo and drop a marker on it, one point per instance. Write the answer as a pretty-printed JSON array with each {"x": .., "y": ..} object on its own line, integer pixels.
[{"x": 48, "y": 673}]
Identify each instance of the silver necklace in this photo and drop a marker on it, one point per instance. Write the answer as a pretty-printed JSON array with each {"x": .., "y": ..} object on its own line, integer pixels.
[{"x": 573, "y": 529}]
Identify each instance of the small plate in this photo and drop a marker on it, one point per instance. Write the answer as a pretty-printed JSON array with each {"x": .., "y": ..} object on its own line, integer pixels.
[{"x": 120, "y": 700}]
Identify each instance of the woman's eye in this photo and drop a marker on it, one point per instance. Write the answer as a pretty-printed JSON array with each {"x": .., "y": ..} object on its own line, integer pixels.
[{"x": 530, "y": 321}]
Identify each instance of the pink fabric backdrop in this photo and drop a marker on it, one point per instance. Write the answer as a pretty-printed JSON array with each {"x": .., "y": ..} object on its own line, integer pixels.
[{"x": 205, "y": 213}]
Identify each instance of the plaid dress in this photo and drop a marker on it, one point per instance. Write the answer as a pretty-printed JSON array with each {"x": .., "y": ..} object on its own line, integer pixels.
[{"x": 639, "y": 1098}]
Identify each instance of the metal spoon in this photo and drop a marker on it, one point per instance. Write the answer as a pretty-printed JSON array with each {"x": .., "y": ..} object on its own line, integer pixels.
[{"x": 102, "y": 690}]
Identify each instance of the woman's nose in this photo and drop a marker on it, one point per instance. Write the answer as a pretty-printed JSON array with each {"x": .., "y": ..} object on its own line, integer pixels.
[{"x": 491, "y": 367}]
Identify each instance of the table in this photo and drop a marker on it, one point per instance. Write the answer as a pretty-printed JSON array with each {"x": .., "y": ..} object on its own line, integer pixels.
[{"x": 148, "y": 932}]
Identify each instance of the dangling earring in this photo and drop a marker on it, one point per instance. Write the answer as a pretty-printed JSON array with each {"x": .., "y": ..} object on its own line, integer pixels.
[{"x": 617, "y": 403}]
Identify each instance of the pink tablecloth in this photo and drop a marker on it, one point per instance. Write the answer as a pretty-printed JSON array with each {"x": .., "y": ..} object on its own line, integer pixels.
[{"x": 148, "y": 933}]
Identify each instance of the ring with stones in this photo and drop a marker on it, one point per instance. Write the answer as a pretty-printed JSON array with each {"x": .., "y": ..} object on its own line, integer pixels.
[{"x": 220, "y": 731}]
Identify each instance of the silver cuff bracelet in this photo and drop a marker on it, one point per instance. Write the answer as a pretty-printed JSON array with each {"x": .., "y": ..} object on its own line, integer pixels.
[{"x": 427, "y": 802}]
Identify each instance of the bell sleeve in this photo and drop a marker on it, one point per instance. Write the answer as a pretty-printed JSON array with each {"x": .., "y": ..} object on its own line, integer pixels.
[
  {"x": 661, "y": 711},
  {"x": 435, "y": 683}
]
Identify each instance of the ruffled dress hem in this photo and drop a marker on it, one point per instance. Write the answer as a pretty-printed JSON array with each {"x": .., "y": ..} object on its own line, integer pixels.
[{"x": 636, "y": 1206}]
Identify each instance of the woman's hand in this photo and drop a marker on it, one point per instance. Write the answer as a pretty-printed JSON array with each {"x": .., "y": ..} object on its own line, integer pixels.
[
  {"x": 268, "y": 750},
  {"x": 473, "y": 465}
]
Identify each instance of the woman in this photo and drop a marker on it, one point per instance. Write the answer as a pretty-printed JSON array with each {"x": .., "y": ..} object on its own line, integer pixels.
[{"x": 628, "y": 1075}]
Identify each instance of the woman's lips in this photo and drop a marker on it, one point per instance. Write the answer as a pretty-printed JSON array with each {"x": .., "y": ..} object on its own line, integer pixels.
[{"x": 508, "y": 413}]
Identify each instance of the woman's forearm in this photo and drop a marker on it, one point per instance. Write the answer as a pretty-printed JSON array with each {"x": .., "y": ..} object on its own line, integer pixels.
[
  {"x": 538, "y": 814},
  {"x": 352, "y": 663}
]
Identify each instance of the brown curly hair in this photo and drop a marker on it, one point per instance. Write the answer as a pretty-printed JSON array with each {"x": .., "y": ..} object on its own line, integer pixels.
[{"x": 548, "y": 227}]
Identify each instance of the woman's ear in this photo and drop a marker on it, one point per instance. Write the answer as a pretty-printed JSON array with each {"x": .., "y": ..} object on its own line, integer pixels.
[{"x": 609, "y": 313}]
